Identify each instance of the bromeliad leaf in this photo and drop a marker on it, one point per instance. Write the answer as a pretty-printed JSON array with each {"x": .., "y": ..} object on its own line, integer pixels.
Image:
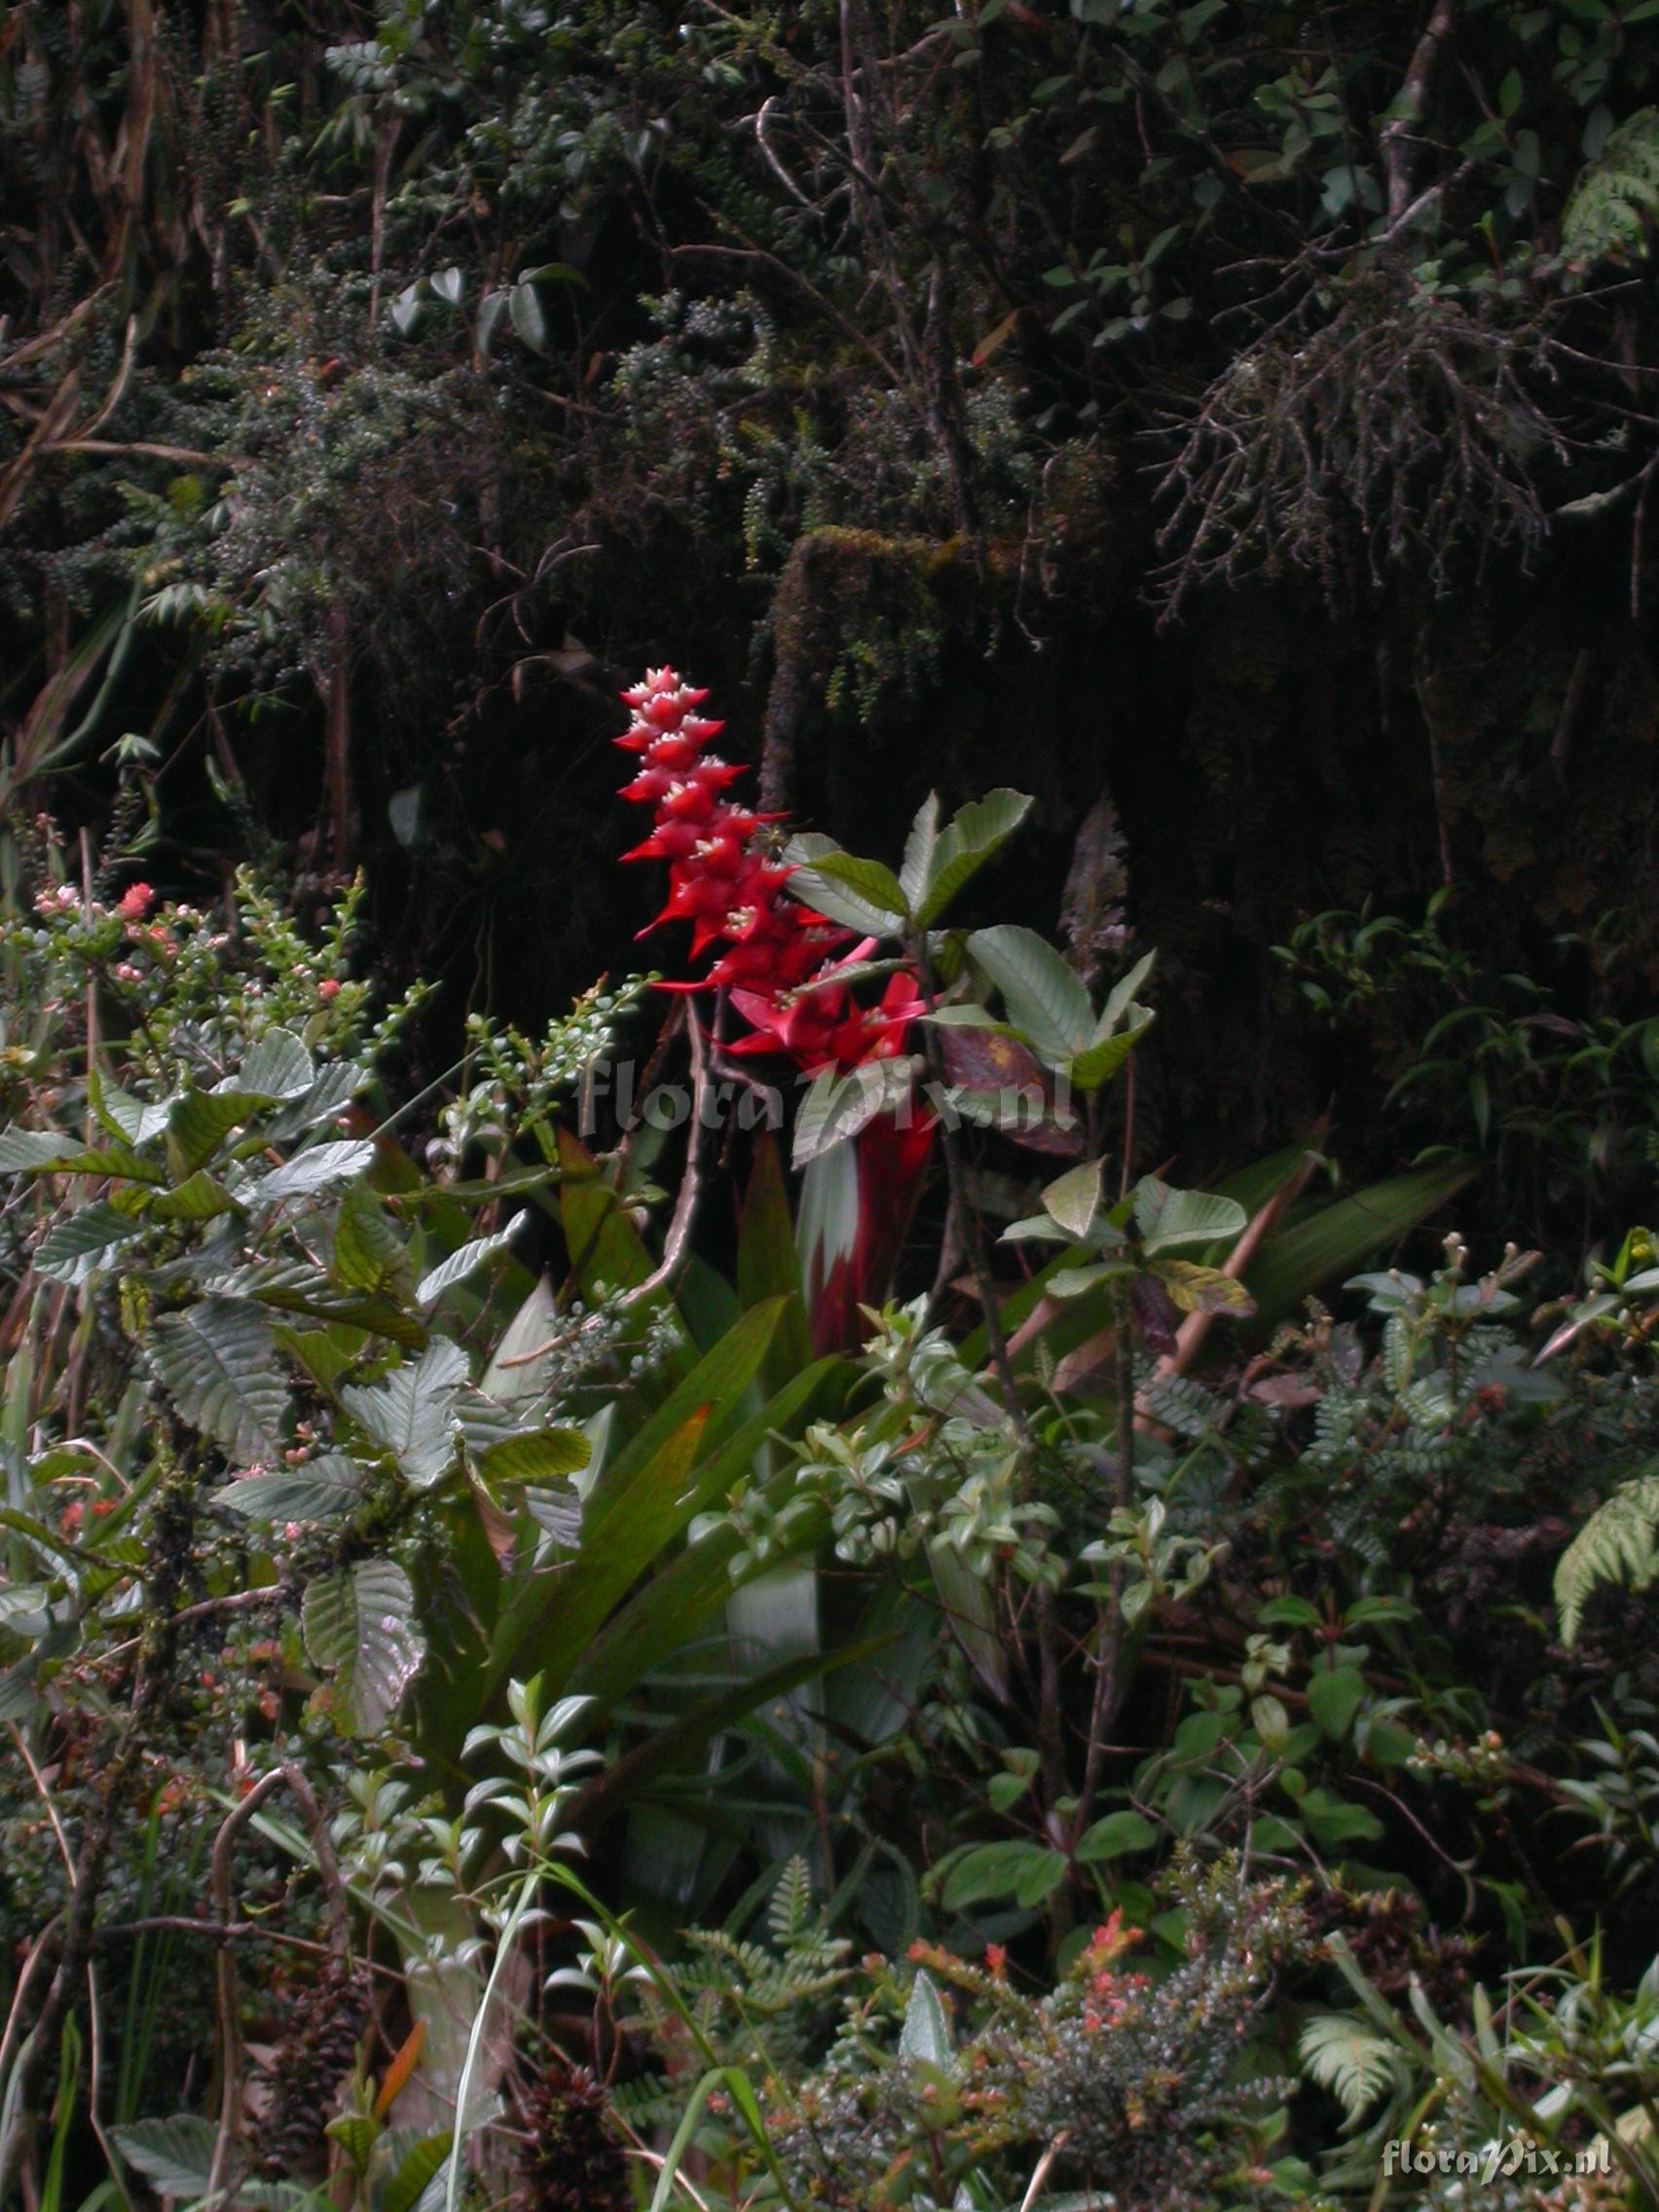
[
  {"x": 411, "y": 1413},
  {"x": 359, "y": 1625},
  {"x": 218, "y": 1363}
]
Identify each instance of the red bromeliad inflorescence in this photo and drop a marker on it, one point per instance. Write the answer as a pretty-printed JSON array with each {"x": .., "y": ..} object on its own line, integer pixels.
[
  {"x": 787, "y": 968},
  {"x": 776, "y": 957}
]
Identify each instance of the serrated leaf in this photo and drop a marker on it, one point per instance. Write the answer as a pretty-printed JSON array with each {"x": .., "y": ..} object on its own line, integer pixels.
[
  {"x": 198, "y": 1198},
  {"x": 1045, "y": 1000},
  {"x": 81, "y": 1243},
  {"x": 411, "y": 1413},
  {"x": 1166, "y": 1217},
  {"x": 198, "y": 1124},
  {"x": 277, "y": 1068},
  {"x": 218, "y": 1363},
  {"x": 324, "y": 1488},
  {"x": 975, "y": 833},
  {"x": 540, "y": 1456},
  {"x": 315, "y": 1168},
  {"x": 462, "y": 1263},
  {"x": 176, "y": 2155},
  {"x": 34, "y": 1151},
  {"x": 368, "y": 1252},
  {"x": 358, "y": 1625},
  {"x": 866, "y": 898}
]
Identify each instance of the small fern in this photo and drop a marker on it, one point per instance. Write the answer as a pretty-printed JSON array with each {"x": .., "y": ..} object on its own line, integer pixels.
[
  {"x": 1616, "y": 201},
  {"x": 1350, "y": 2060},
  {"x": 1616, "y": 1544}
]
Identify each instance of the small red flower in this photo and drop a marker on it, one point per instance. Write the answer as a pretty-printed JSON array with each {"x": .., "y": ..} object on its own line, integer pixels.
[{"x": 135, "y": 901}]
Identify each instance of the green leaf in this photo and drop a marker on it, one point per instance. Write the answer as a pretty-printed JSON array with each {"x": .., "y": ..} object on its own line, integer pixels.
[
  {"x": 198, "y": 1198},
  {"x": 1335, "y": 1695},
  {"x": 462, "y": 1263},
  {"x": 1116, "y": 1835},
  {"x": 1299, "y": 1260},
  {"x": 359, "y": 1625},
  {"x": 319, "y": 1165},
  {"x": 38, "y": 1150},
  {"x": 413, "y": 1412},
  {"x": 859, "y": 893},
  {"x": 997, "y": 1870},
  {"x": 82, "y": 1242},
  {"x": 837, "y": 1105},
  {"x": 926, "y": 2032},
  {"x": 420, "y": 2164},
  {"x": 1616, "y": 1544},
  {"x": 368, "y": 1252},
  {"x": 539, "y": 1455},
  {"x": 1074, "y": 1200},
  {"x": 1166, "y": 1217},
  {"x": 975, "y": 833},
  {"x": 218, "y": 1363},
  {"x": 1098, "y": 1063},
  {"x": 175, "y": 2156},
  {"x": 325, "y": 1489},
  {"x": 1204, "y": 1290},
  {"x": 528, "y": 322},
  {"x": 277, "y": 1068},
  {"x": 1045, "y": 1000},
  {"x": 916, "y": 870}
]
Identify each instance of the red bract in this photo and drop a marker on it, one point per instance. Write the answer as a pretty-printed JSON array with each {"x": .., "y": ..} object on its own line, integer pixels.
[{"x": 718, "y": 879}]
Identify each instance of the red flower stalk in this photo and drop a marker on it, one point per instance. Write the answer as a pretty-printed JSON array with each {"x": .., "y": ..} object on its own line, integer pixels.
[
  {"x": 777, "y": 957},
  {"x": 721, "y": 881}
]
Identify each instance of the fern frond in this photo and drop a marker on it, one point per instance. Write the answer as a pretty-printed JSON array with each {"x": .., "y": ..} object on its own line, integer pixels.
[
  {"x": 1616, "y": 201},
  {"x": 1352, "y": 2061},
  {"x": 1616, "y": 1544}
]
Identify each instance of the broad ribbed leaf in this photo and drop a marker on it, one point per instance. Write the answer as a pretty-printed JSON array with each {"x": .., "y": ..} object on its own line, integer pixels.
[
  {"x": 359, "y": 1627},
  {"x": 219, "y": 1366},
  {"x": 413, "y": 1410},
  {"x": 978, "y": 832},
  {"x": 278, "y": 1067},
  {"x": 82, "y": 1242},
  {"x": 324, "y": 1488},
  {"x": 1168, "y": 1218},
  {"x": 521, "y": 1364},
  {"x": 1045, "y": 1000},
  {"x": 26, "y": 1151},
  {"x": 540, "y": 1456},
  {"x": 175, "y": 2156},
  {"x": 313, "y": 1170},
  {"x": 1075, "y": 1198},
  {"x": 838, "y": 1105},
  {"x": 460, "y": 1264},
  {"x": 916, "y": 871},
  {"x": 1101, "y": 1061},
  {"x": 199, "y": 1122},
  {"x": 1204, "y": 1290},
  {"x": 871, "y": 902},
  {"x": 368, "y": 1252},
  {"x": 198, "y": 1198}
]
